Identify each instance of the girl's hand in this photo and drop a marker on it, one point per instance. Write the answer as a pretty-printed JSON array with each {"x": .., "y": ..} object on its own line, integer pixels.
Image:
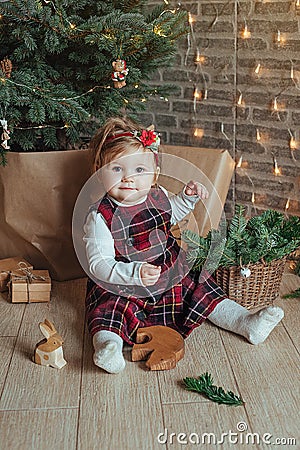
[
  {"x": 195, "y": 188},
  {"x": 150, "y": 274}
]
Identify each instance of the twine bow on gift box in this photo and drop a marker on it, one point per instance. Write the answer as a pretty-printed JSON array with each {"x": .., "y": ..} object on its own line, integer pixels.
[{"x": 28, "y": 276}]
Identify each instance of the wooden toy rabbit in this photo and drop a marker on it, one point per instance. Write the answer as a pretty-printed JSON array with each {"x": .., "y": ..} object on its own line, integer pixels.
[{"x": 48, "y": 352}]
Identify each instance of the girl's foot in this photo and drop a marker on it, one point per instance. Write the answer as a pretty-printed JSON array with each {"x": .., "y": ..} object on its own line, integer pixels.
[
  {"x": 108, "y": 351},
  {"x": 255, "y": 327}
]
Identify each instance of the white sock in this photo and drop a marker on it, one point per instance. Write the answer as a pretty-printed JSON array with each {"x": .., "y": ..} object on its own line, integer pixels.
[
  {"x": 255, "y": 327},
  {"x": 108, "y": 351}
]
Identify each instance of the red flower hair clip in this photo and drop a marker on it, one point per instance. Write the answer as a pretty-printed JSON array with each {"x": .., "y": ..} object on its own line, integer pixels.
[{"x": 149, "y": 139}]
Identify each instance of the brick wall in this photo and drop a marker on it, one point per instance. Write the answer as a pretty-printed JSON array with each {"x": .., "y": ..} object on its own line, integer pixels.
[{"x": 235, "y": 106}]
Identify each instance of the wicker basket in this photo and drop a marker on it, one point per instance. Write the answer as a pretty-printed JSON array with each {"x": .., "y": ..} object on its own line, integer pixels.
[{"x": 260, "y": 289}]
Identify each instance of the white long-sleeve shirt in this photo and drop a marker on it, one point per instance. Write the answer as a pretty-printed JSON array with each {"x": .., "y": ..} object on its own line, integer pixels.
[{"x": 100, "y": 244}]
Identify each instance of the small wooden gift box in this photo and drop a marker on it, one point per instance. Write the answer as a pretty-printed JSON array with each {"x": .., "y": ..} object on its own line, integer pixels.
[
  {"x": 7, "y": 266},
  {"x": 30, "y": 288}
]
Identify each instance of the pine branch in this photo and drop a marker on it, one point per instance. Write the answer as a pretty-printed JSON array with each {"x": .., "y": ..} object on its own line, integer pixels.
[
  {"x": 266, "y": 237},
  {"x": 204, "y": 385},
  {"x": 294, "y": 294},
  {"x": 192, "y": 239},
  {"x": 238, "y": 223}
]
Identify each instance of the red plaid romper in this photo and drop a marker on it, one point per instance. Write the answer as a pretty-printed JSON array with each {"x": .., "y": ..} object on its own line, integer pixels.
[{"x": 178, "y": 300}]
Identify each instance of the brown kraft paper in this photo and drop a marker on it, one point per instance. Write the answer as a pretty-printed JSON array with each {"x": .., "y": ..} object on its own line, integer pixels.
[
  {"x": 212, "y": 167},
  {"x": 37, "y": 195}
]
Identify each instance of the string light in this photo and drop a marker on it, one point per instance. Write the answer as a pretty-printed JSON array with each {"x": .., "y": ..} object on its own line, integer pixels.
[
  {"x": 276, "y": 169},
  {"x": 200, "y": 59},
  {"x": 258, "y": 135},
  {"x": 280, "y": 40},
  {"x": 275, "y": 105},
  {"x": 191, "y": 19},
  {"x": 157, "y": 29},
  {"x": 245, "y": 33},
  {"x": 239, "y": 163},
  {"x": 37, "y": 127},
  {"x": 199, "y": 132},
  {"x": 257, "y": 69},
  {"x": 278, "y": 36},
  {"x": 43, "y": 92},
  {"x": 72, "y": 26},
  {"x": 172, "y": 11},
  {"x": 293, "y": 143},
  {"x": 197, "y": 94},
  {"x": 240, "y": 100},
  {"x": 287, "y": 205}
]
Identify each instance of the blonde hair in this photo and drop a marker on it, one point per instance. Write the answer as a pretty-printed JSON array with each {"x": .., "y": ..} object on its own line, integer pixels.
[{"x": 105, "y": 150}]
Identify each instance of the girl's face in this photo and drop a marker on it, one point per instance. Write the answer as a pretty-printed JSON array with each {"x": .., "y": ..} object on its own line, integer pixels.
[{"x": 129, "y": 177}]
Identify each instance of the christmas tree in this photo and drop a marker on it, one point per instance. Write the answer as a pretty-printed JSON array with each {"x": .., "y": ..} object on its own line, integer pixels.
[{"x": 56, "y": 57}]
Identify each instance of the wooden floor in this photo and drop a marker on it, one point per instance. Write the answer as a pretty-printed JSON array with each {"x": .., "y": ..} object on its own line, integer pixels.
[{"x": 82, "y": 407}]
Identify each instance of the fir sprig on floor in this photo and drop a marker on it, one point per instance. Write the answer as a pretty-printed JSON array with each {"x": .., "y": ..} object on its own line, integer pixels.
[
  {"x": 294, "y": 294},
  {"x": 204, "y": 385}
]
